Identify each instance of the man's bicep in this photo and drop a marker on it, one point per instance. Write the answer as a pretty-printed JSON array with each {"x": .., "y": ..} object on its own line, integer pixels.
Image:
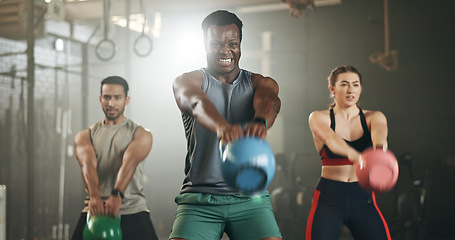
[
  {"x": 141, "y": 145},
  {"x": 187, "y": 90},
  {"x": 264, "y": 83},
  {"x": 83, "y": 146}
]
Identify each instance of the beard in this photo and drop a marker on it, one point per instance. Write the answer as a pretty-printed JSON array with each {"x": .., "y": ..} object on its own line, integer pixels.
[{"x": 113, "y": 115}]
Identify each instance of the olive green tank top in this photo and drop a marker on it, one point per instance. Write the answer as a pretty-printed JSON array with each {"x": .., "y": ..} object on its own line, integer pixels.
[{"x": 110, "y": 143}]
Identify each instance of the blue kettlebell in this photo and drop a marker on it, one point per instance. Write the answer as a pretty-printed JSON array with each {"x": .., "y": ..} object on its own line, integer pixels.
[
  {"x": 248, "y": 164},
  {"x": 102, "y": 227}
]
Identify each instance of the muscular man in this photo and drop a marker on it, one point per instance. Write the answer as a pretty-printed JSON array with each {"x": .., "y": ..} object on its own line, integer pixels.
[
  {"x": 222, "y": 102},
  {"x": 111, "y": 155}
]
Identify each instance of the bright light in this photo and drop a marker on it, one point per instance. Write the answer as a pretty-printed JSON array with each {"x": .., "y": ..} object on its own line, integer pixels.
[
  {"x": 137, "y": 23},
  {"x": 189, "y": 49},
  {"x": 156, "y": 29},
  {"x": 59, "y": 45}
]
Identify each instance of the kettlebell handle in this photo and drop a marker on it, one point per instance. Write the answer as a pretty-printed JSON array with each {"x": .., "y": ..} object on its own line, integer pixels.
[
  {"x": 222, "y": 147},
  {"x": 89, "y": 216}
]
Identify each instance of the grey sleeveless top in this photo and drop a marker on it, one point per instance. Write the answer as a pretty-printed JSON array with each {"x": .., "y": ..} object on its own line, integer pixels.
[
  {"x": 202, "y": 164},
  {"x": 110, "y": 143}
]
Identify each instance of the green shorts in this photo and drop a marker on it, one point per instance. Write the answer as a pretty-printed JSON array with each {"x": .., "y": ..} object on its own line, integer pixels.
[{"x": 202, "y": 216}]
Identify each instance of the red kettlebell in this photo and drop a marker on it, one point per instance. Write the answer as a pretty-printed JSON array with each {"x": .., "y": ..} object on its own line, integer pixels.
[{"x": 378, "y": 170}]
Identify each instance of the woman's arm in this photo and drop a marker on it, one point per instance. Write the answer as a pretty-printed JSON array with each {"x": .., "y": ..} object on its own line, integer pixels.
[
  {"x": 320, "y": 127},
  {"x": 378, "y": 128}
]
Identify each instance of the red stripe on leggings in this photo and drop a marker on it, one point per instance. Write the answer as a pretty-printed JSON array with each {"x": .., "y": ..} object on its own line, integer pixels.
[
  {"x": 382, "y": 217},
  {"x": 309, "y": 223}
]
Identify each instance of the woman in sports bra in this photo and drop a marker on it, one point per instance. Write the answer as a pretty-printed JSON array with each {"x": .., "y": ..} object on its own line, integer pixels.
[{"x": 340, "y": 134}]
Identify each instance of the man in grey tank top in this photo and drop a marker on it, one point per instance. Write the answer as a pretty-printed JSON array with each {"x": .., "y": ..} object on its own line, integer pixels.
[
  {"x": 111, "y": 155},
  {"x": 222, "y": 102}
]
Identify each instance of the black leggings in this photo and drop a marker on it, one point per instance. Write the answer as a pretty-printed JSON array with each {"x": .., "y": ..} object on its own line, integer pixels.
[
  {"x": 136, "y": 226},
  {"x": 339, "y": 203}
]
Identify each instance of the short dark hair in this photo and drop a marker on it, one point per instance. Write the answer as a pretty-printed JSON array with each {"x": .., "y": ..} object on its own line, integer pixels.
[
  {"x": 116, "y": 80},
  {"x": 221, "y": 18}
]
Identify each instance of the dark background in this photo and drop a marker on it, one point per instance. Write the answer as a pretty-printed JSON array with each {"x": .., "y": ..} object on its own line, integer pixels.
[{"x": 417, "y": 99}]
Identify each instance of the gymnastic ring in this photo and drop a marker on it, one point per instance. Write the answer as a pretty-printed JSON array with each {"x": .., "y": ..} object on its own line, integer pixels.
[
  {"x": 114, "y": 49},
  {"x": 136, "y": 42}
]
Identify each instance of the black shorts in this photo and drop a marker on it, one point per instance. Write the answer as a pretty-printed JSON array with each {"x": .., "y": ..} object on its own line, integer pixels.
[{"x": 134, "y": 226}]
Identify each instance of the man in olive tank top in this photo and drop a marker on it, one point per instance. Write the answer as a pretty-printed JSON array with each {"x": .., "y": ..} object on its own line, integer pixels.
[{"x": 111, "y": 155}]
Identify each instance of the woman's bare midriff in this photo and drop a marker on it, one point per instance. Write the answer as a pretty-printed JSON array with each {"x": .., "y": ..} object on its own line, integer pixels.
[{"x": 342, "y": 173}]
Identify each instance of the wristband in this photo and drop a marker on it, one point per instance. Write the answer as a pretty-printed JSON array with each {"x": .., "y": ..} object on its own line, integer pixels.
[
  {"x": 260, "y": 120},
  {"x": 117, "y": 192}
]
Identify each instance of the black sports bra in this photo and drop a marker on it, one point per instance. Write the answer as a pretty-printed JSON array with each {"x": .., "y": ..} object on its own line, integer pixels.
[{"x": 329, "y": 158}]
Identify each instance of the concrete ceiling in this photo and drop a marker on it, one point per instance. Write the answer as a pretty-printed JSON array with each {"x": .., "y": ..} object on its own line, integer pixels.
[
  {"x": 93, "y": 9},
  {"x": 86, "y": 16}
]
